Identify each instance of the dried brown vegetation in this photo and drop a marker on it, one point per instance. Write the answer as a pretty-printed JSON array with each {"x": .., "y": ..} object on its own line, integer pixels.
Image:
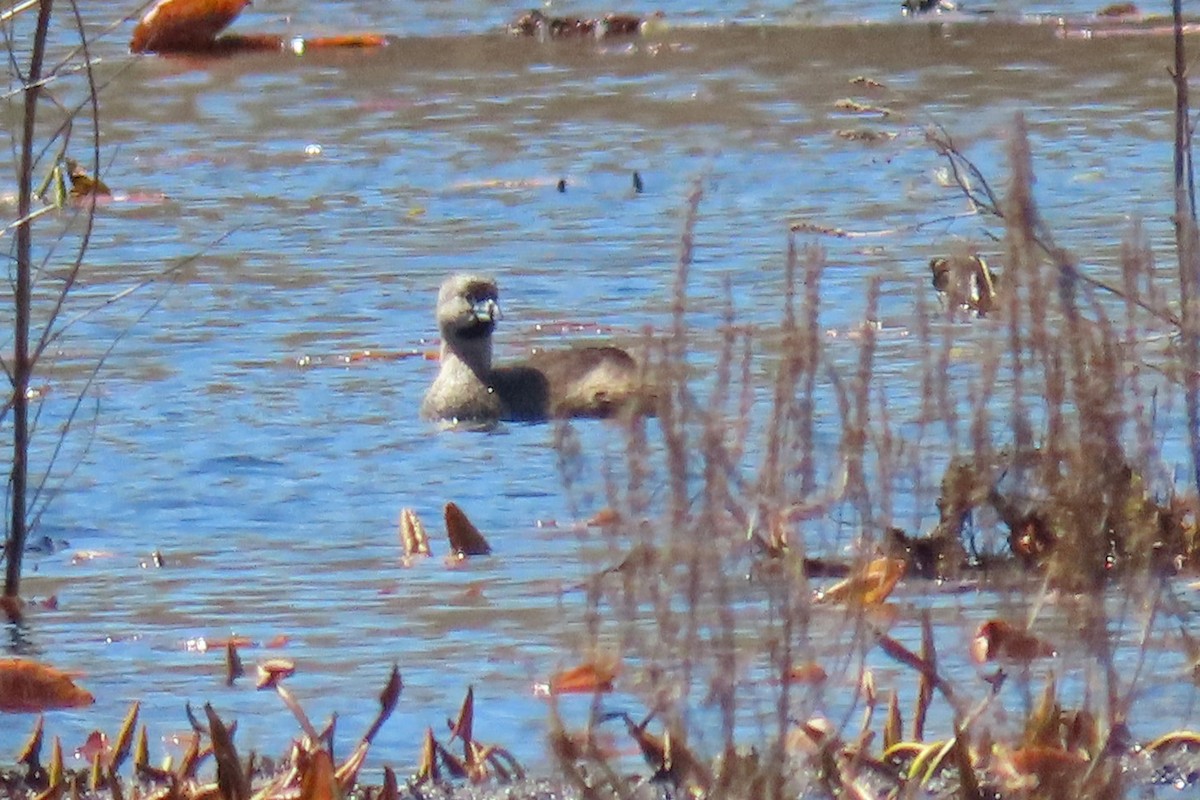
[
  {"x": 211, "y": 767},
  {"x": 1044, "y": 438}
]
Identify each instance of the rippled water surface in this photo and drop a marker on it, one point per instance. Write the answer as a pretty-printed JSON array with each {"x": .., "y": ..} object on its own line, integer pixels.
[{"x": 320, "y": 200}]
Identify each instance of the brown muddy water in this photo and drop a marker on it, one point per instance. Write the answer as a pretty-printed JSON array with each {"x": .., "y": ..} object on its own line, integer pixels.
[{"x": 227, "y": 430}]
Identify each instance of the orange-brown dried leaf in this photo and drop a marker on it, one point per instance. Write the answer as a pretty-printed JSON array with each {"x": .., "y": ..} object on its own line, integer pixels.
[
  {"x": 317, "y": 781},
  {"x": 454, "y": 765},
  {"x": 182, "y": 25},
  {"x": 236, "y": 641},
  {"x": 1046, "y": 761},
  {"x": 893, "y": 726},
  {"x": 56, "y": 764},
  {"x": 351, "y": 40},
  {"x": 274, "y": 670},
  {"x": 477, "y": 761},
  {"x": 347, "y": 773},
  {"x": 505, "y": 764},
  {"x": 31, "y": 753},
  {"x": 124, "y": 738},
  {"x": 591, "y": 676},
  {"x": 391, "y": 788},
  {"x": 141, "y": 751},
  {"x": 604, "y": 518},
  {"x": 190, "y": 759},
  {"x": 653, "y": 748},
  {"x": 869, "y": 586},
  {"x": 96, "y": 774},
  {"x": 428, "y": 770},
  {"x": 810, "y": 673},
  {"x": 999, "y": 640},
  {"x": 1044, "y": 722},
  {"x": 388, "y": 698},
  {"x": 465, "y": 538},
  {"x": 413, "y": 537},
  {"x": 232, "y": 779},
  {"x": 462, "y": 728},
  {"x": 27, "y": 686}
]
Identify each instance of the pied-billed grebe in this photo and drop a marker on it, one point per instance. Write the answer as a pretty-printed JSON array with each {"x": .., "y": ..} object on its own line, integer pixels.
[{"x": 572, "y": 382}]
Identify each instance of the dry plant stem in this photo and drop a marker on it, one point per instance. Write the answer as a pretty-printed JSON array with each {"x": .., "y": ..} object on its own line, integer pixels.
[
  {"x": 22, "y": 366},
  {"x": 716, "y": 503},
  {"x": 770, "y": 489},
  {"x": 809, "y": 332},
  {"x": 1137, "y": 262},
  {"x": 888, "y": 450},
  {"x": 675, "y": 418},
  {"x": 1187, "y": 245},
  {"x": 857, "y": 418},
  {"x": 290, "y": 701}
]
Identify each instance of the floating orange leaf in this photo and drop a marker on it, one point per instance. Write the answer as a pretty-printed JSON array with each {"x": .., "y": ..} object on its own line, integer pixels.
[
  {"x": 182, "y": 25},
  {"x": 27, "y": 686},
  {"x": 95, "y": 745},
  {"x": 604, "y": 518},
  {"x": 591, "y": 676},
  {"x": 203, "y": 645},
  {"x": 378, "y": 355},
  {"x": 809, "y": 673},
  {"x": 271, "y": 672},
  {"x": 869, "y": 586},
  {"x": 351, "y": 40},
  {"x": 465, "y": 538},
  {"x": 997, "y": 639}
]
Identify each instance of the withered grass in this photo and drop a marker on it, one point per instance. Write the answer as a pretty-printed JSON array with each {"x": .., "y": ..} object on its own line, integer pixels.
[{"x": 1047, "y": 430}]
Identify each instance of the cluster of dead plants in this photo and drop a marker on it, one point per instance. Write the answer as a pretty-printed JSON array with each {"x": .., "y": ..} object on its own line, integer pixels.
[
  {"x": 1044, "y": 423},
  {"x": 309, "y": 770}
]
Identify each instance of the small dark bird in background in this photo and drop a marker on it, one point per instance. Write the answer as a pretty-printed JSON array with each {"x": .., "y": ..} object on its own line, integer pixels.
[{"x": 965, "y": 282}]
